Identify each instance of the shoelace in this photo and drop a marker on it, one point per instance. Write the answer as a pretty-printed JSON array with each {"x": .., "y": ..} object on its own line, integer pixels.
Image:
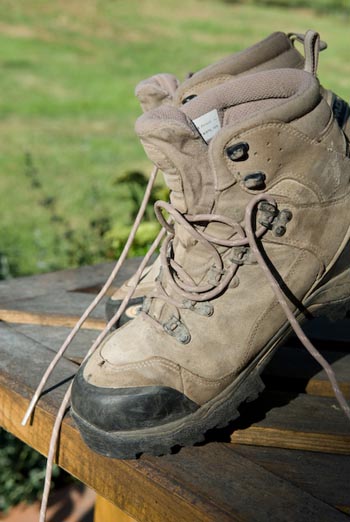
[
  {"x": 97, "y": 299},
  {"x": 187, "y": 290},
  {"x": 77, "y": 327},
  {"x": 247, "y": 237},
  {"x": 206, "y": 292}
]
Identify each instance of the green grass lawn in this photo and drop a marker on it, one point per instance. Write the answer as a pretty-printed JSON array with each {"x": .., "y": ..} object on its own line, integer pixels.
[{"x": 68, "y": 72}]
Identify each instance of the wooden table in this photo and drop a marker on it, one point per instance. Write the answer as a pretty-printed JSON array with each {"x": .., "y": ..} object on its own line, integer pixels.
[{"x": 286, "y": 459}]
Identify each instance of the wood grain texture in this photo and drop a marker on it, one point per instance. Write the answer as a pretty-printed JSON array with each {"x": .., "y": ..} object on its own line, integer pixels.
[
  {"x": 53, "y": 338},
  {"x": 85, "y": 278},
  {"x": 42, "y": 319},
  {"x": 106, "y": 512},
  {"x": 69, "y": 280},
  {"x": 281, "y": 438},
  {"x": 58, "y": 302},
  {"x": 252, "y": 476},
  {"x": 325, "y": 476},
  {"x": 199, "y": 484},
  {"x": 291, "y": 369},
  {"x": 288, "y": 420},
  {"x": 59, "y": 298}
]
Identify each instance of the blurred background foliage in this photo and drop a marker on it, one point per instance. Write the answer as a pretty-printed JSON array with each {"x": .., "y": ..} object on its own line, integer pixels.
[
  {"x": 68, "y": 73},
  {"x": 319, "y": 6},
  {"x": 22, "y": 472},
  {"x": 72, "y": 172}
]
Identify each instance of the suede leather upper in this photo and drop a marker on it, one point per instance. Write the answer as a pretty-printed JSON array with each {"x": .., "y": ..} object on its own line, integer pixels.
[{"x": 295, "y": 141}]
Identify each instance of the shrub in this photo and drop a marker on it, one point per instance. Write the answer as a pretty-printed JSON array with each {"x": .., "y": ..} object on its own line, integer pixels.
[{"x": 22, "y": 472}]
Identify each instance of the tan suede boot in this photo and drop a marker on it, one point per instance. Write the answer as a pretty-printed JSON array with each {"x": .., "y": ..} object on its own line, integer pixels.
[
  {"x": 262, "y": 161},
  {"x": 274, "y": 52}
]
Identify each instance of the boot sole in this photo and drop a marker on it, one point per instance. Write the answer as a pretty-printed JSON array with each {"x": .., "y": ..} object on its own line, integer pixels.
[{"x": 216, "y": 413}]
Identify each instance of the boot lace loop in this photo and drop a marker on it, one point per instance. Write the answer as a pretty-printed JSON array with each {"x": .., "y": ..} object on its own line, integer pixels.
[{"x": 179, "y": 280}]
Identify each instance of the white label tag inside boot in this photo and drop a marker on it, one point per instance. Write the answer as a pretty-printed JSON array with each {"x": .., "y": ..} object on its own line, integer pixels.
[{"x": 208, "y": 124}]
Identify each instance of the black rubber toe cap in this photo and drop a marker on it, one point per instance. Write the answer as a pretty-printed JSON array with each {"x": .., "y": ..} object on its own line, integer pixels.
[{"x": 119, "y": 409}]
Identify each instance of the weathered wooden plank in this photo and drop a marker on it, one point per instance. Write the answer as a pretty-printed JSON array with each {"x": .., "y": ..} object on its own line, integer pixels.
[
  {"x": 58, "y": 302},
  {"x": 59, "y": 298},
  {"x": 56, "y": 308},
  {"x": 53, "y": 337},
  {"x": 200, "y": 484},
  {"x": 235, "y": 482},
  {"x": 31, "y": 286},
  {"x": 42, "y": 319},
  {"x": 88, "y": 278},
  {"x": 285, "y": 420},
  {"x": 106, "y": 512},
  {"x": 294, "y": 369},
  {"x": 291, "y": 369},
  {"x": 24, "y": 361},
  {"x": 304, "y": 422},
  {"x": 119, "y": 481},
  {"x": 324, "y": 476}
]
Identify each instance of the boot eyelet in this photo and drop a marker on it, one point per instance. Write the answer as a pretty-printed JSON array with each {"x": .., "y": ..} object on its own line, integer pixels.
[
  {"x": 188, "y": 98},
  {"x": 200, "y": 307},
  {"x": 285, "y": 216},
  {"x": 176, "y": 328},
  {"x": 279, "y": 231},
  {"x": 238, "y": 151},
  {"x": 255, "y": 181}
]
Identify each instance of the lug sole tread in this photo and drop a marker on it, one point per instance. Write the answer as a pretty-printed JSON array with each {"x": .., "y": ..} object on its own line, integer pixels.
[{"x": 217, "y": 413}]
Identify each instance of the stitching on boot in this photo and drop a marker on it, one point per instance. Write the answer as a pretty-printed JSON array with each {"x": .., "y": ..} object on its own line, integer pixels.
[{"x": 274, "y": 304}]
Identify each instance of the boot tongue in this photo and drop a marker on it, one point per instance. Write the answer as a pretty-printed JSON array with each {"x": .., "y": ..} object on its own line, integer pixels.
[
  {"x": 173, "y": 143},
  {"x": 176, "y": 141}
]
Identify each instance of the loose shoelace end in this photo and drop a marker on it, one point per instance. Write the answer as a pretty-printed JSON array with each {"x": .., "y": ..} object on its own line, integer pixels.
[{"x": 29, "y": 411}]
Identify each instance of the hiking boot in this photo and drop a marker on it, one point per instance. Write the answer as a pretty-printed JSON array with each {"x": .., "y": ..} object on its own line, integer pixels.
[
  {"x": 277, "y": 51},
  {"x": 262, "y": 161},
  {"x": 144, "y": 286}
]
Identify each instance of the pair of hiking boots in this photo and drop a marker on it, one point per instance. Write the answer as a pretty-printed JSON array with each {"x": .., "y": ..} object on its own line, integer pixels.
[{"x": 256, "y": 156}]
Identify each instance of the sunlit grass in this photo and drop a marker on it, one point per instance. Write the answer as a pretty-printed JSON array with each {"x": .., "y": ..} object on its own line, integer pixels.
[{"x": 68, "y": 72}]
